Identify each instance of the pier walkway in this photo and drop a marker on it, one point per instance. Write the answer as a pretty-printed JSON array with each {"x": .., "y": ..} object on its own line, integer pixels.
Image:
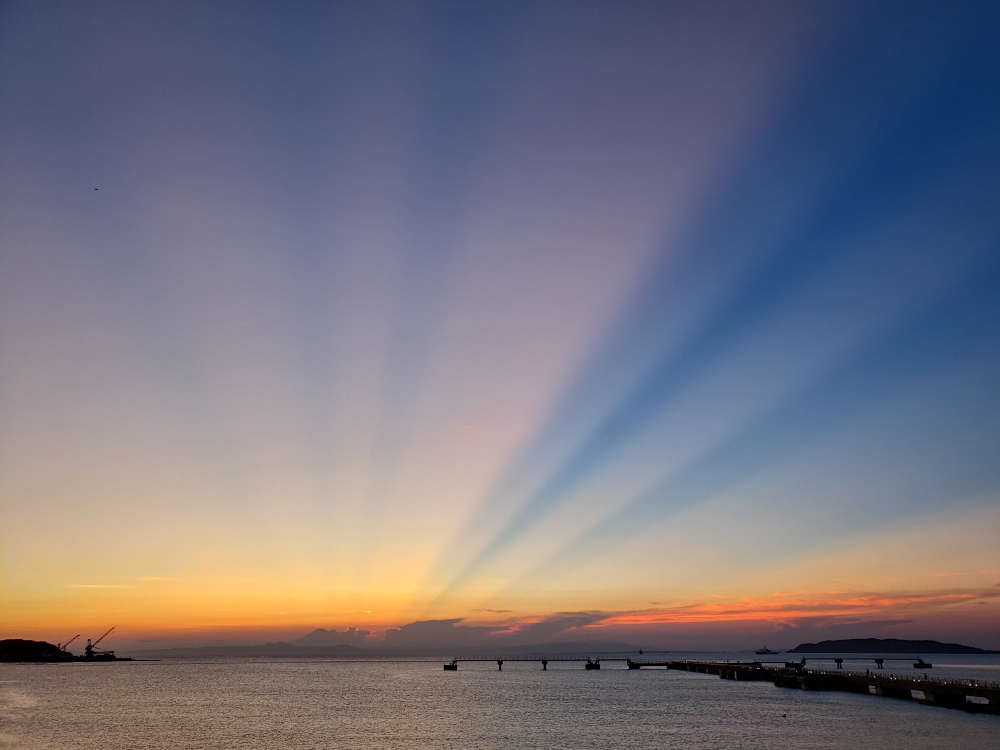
[
  {"x": 975, "y": 696},
  {"x": 543, "y": 660}
]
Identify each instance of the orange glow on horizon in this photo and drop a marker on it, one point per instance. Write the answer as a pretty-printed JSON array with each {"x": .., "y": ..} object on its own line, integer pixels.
[{"x": 200, "y": 619}]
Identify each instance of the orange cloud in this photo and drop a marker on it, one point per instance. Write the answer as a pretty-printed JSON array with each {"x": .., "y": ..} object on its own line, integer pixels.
[{"x": 786, "y": 609}]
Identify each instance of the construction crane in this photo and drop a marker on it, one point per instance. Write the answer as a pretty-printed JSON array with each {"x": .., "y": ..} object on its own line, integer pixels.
[
  {"x": 88, "y": 650},
  {"x": 62, "y": 646}
]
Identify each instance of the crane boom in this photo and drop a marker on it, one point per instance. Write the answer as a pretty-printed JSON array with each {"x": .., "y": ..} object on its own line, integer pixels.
[
  {"x": 104, "y": 636},
  {"x": 63, "y": 646}
]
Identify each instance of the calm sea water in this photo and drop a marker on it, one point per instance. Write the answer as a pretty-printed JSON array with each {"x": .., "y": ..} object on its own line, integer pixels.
[{"x": 315, "y": 703}]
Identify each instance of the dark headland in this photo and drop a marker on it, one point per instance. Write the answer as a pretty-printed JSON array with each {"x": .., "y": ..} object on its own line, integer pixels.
[
  {"x": 22, "y": 650},
  {"x": 18, "y": 649},
  {"x": 886, "y": 646}
]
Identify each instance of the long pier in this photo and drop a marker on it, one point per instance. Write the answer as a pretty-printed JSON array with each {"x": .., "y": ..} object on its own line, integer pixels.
[
  {"x": 452, "y": 666},
  {"x": 975, "y": 696}
]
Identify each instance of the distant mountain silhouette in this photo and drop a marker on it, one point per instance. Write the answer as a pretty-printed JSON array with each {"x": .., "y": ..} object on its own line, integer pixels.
[
  {"x": 377, "y": 649},
  {"x": 266, "y": 649},
  {"x": 885, "y": 646}
]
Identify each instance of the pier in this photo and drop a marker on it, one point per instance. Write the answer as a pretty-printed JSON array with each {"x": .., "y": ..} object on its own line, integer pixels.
[
  {"x": 588, "y": 663},
  {"x": 974, "y": 696}
]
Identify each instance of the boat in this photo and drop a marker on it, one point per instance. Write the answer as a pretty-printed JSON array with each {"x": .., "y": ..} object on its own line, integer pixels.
[
  {"x": 451, "y": 666},
  {"x": 766, "y": 650},
  {"x": 596, "y": 664}
]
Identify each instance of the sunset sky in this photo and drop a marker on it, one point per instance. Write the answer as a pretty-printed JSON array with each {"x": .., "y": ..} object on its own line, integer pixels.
[{"x": 667, "y": 323}]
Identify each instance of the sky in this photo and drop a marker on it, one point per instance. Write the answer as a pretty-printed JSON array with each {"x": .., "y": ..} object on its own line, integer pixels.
[{"x": 664, "y": 323}]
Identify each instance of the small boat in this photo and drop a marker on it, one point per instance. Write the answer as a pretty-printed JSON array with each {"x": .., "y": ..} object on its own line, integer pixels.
[
  {"x": 596, "y": 664},
  {"x": 451, "y": 666},
  {"x": 766, "y": 650}
]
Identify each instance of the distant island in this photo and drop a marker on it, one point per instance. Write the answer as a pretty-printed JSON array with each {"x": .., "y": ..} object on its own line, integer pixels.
[{"x": 886, "y": 646}]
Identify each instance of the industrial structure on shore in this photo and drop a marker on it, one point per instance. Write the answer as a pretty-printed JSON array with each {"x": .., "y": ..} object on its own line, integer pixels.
[{"x": 20, "y": 650}]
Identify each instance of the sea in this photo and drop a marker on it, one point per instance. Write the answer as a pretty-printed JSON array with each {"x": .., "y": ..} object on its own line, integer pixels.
[{"x": 267, "y": 703}]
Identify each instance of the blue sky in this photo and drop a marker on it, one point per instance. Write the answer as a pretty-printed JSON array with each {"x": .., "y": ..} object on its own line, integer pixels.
[{"x": 361, "y": 314}]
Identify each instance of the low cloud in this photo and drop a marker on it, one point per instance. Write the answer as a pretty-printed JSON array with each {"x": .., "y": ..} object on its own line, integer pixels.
[
  {"x": 452, "y": 633},
  {"x": 714, "y": 624},
  {"x": 326, "y": 638},
  {"x": 782, "y": 608},
  {"x": 433, "y": 634}
]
